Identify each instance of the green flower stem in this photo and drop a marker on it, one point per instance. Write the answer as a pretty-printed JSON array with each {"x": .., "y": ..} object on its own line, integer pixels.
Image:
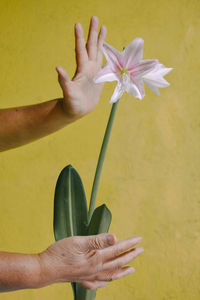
[{"x": 101, "y": 159}]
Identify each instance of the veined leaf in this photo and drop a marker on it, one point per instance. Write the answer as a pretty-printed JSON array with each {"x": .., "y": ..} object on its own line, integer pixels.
[{"x": 70, "y": 206}]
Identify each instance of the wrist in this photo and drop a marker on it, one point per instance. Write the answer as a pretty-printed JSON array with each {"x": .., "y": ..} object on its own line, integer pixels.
[
  {"x": 34, "y": 277},
  {"x": 47, "y": 270},
  {"x": 70, "y": 113}
]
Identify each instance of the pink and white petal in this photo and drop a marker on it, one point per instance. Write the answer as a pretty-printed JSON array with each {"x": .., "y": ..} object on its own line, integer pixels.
[
  {"x": 118, "y": 92},
  {"x": 156, "y": 80},
  {"x": 144, "y": 67},
  {"x": 165, "y": 71},
  {"x": 162, "y": 70},
  {"x": 133, "y": 53},
  {"x": 133, "y": 90},
  {"x": 140, "y": 85},
  {"x": 105, "y": 74},
  {"x": 152, "y": 87},
  {"x": 113, "y": 57}
]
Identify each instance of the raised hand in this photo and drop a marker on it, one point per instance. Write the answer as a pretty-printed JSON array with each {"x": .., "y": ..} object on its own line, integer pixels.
[
  {"x": 90, "y": 260},
  {"x": 81, "y": 94}
]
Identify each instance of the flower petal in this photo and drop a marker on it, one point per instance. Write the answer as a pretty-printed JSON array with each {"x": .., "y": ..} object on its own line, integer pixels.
[
  {"x": 105, "y": 74},
  {"x": 113, "y": 57},
  {"x": 118, "y": 92},
  {"x": 152, "y": 87},
  {"x": 133, "y": 90},
  {"x": 140, "y": 85},
  {"x": 143, "y": 67},
  {"x": 161, "y": 69},
  {"x": 156, "y": 80},
  {"x": 133, "y": 53}
]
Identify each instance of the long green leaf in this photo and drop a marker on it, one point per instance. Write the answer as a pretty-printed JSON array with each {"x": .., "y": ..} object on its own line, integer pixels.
[
  {"x": 70, "y": 206},
  {"x": 100, "y": 223}
]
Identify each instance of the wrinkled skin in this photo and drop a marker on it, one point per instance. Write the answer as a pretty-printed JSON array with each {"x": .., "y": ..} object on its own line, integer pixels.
[{"x": 90, "y": 260}]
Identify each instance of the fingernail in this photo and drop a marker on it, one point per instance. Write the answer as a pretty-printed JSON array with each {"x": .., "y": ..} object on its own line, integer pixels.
[
  {"x": 94, "y": 18},
  {"x": 131, "y": 270},
  {"x": 78, "y": 26},
  {"x": 110, "y": 239},
  {"x": 138, "y": 239},
  {"x": 139, "y": 250},
  {"x": 58, "y": 68},
  {"x": 104, "y": 28}
]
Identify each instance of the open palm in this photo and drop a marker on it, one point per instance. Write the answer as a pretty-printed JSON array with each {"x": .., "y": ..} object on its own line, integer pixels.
[{"x": 81, "y": 94}]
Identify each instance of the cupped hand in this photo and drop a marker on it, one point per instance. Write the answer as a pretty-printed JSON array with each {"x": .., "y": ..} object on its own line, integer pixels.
[
  {"x": 81, "y": 94},
  {"x": 89, "y": 260}
]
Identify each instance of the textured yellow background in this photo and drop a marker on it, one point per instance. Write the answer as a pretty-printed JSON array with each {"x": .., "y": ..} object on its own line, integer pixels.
[{"x": 151, "y": 177}]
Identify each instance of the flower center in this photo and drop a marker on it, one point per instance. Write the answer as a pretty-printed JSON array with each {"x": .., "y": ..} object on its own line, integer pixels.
[
  {"x": 123, "y": 71},
  {"x": 125, "y": 77}
]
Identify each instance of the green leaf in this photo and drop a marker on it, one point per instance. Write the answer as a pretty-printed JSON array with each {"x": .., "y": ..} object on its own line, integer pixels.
[
  {"x": 70, "y": 206},
  {"x": 83, "y": 293},
  {"x": 100, "y": 221},
  {"x": 74, "y": 289}
]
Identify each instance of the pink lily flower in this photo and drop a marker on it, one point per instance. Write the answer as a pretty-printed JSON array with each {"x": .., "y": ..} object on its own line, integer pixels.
[{"x": 129, "y": 70}]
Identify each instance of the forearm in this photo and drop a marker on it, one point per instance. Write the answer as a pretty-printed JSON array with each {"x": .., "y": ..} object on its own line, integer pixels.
[
  {"x": 19, "y": 271},
  {"x": 21, "y": 125}
]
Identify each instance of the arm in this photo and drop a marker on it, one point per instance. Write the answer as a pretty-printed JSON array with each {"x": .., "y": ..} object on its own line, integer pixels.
[
  {"x": 18, "y": 271},
  {"x": 89, "y": 260},
  {"x": 22, "y": 125}
]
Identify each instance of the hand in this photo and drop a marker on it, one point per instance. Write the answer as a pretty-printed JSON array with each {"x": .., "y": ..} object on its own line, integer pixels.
[
  {"x": 81, "y": 94},
  {"x": 90, "y": 260}
]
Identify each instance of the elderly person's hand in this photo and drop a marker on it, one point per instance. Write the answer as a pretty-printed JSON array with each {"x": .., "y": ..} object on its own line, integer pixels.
[
  {"x": 81, "y": 94},
  {"x": 89, "y": 260}
]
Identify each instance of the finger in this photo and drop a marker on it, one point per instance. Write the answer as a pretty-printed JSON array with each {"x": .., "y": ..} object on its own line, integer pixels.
[
  {"x": 101, "y": 39},
  {"x": 100, "y": 241},
  {"x": 63, "y": 78},
  {"x": 123, "y": 259},
  {"x": 119, "y": 247},
  {"x": 114, "y": 275},
  {"x": 92, "y": 285},
  {"x": 92, "y": 38},
  {"x": 81, "y": 53}
]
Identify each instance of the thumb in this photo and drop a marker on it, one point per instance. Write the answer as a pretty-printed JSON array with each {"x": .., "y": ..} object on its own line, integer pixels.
[
  {"x": 101, "y": 241},
  {"x": 62, "y": 76}
]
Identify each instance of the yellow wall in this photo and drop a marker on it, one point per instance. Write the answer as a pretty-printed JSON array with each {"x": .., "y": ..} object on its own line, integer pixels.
[{"x": 151, "y": 178}]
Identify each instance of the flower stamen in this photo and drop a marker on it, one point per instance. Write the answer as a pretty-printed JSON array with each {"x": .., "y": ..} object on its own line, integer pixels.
[{"x": 123, "y": 71}]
